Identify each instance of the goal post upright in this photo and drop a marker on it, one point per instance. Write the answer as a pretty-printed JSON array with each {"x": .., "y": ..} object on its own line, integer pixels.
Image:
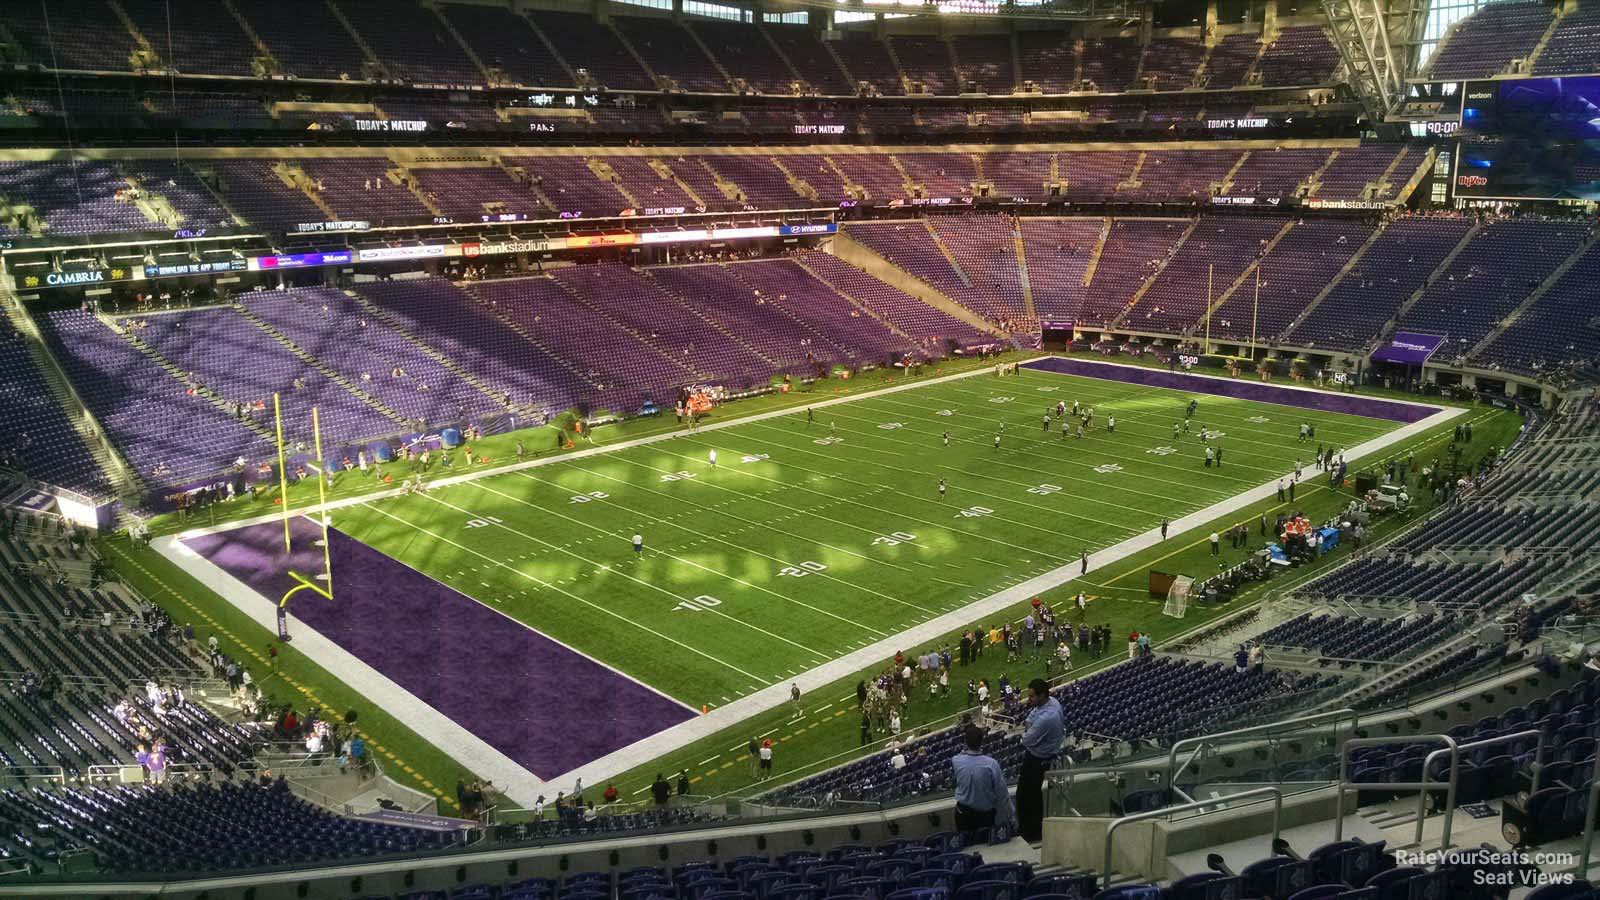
[
  {"x": 303, "y": 582},
  {"x": 322, "y": 504},
  {"x": 283, "y": 471}
]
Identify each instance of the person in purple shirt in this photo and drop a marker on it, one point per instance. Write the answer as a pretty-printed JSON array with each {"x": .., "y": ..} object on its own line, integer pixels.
[{"x": 157, "y": 763}]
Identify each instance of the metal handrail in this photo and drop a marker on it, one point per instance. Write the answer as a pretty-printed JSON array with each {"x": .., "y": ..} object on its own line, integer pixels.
[
  {"x": 1421, "y": 787},
  {"x": 1588, "y": 830},
  {"x": 29, "y": 772},
  {"x": 187, "y": 770},
  {"x": 1174, "y": 770},
  {"x": 1450, "y": 790},
  {"x": 1111, "y": 830}
]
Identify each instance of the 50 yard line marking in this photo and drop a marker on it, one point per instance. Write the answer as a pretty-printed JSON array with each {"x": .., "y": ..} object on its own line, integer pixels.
[{"x": 542, "y": 583}]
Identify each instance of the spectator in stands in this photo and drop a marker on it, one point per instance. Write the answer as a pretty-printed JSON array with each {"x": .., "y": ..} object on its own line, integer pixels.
[
  {"x": 1042, "y": 743},
  {"x": 468, "y": 799},
  {"x": 982, "y": 800},
  {"x": 156, "y": 763}
]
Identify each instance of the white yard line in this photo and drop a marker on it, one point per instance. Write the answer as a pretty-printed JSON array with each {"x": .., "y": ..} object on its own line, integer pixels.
[
  {"x": 1023, "y": 438},
  {"x": 313, "y": 509},
  {"x": 1007, "y": 452},
  {"x": 654, "y": 587},
  {"x": 768, "y": 698},
  {"x": 717, "y": 508},
  {"x": 440, "y": 731},
  {"x": 1146, "y": 420},
  {"x": 686, "y": 562},
  {"x": 920, "y": 521}
]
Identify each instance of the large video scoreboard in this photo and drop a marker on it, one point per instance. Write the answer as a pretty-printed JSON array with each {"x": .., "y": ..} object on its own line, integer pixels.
[{"x": 1530, "y": 139}]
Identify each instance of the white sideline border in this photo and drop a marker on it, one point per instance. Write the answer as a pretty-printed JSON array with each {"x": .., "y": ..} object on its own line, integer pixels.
[{"x": 523, "y": 786}]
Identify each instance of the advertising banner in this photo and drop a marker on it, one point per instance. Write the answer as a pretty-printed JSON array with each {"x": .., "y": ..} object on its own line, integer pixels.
[{"x": 1408, "y": 348}]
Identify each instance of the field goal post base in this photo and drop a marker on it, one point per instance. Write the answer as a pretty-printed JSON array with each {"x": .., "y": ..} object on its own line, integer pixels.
[{"x": 302, "y": 583}]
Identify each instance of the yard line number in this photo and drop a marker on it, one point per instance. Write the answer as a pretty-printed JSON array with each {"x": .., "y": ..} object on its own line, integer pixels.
[{"x": 894, "y": 539}]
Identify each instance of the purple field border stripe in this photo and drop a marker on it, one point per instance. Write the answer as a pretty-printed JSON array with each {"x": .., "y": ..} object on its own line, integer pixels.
[
  {"x": 1326, "y": 401},
  {"x": 545, "y": 706}
]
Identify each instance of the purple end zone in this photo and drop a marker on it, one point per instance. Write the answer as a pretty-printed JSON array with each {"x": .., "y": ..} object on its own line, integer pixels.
[
  {"x": 544, "y": 706},
  {"x": 1326, "y": 401}
]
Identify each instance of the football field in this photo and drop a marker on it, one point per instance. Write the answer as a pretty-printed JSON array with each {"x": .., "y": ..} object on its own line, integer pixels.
[
  {"x": 809, "y": 538},
  {"x": 508, "y": 614}
]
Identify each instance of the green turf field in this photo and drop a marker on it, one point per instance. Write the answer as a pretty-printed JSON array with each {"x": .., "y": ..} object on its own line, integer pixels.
[
  {"x": 810, "y": 539},
  {"x": 826, "y": 733}
]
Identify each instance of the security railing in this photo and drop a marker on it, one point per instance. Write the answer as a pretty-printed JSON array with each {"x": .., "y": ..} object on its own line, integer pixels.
[{"x": 1213, "y": 805}]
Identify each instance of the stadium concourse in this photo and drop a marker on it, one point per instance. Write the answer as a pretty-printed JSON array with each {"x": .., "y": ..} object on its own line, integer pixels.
[{"x": 751, "y": 451}]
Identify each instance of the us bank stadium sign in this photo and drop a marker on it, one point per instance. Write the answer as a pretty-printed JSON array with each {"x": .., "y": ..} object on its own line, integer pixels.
[
  {"x": 75, "y": 278},
  {"x": 1317, "y": 203}
]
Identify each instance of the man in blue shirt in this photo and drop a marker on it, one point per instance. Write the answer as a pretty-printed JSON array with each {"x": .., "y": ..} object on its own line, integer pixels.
[
  {"x": 982, "y": 800},
  {"x": 1042, "y": 740}
]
